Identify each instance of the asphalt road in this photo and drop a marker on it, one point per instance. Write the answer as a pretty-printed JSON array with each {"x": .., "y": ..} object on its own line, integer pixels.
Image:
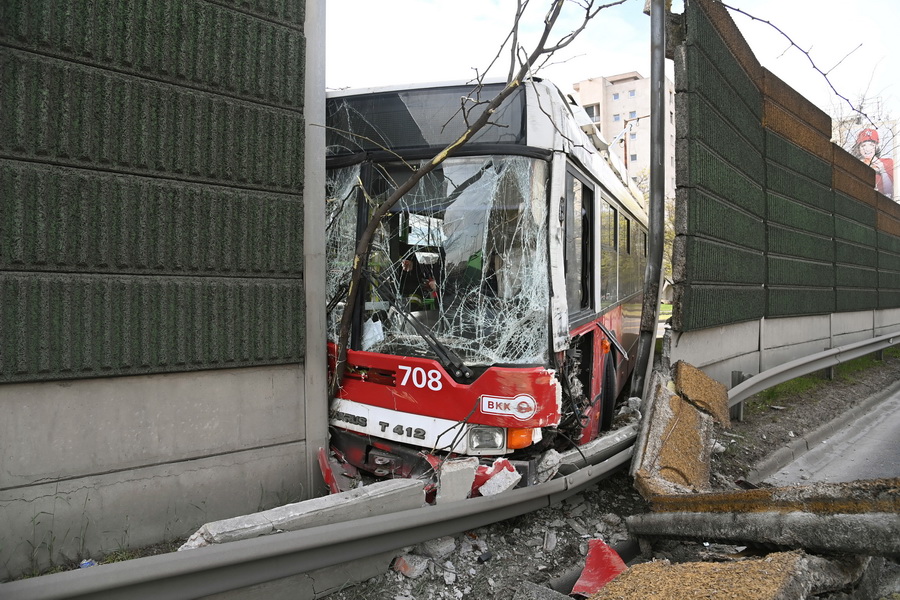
[{"x": 868, "y": 448}]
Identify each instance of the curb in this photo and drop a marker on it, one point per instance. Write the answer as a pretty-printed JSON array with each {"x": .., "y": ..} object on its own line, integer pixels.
[{"x": 785, "y": 455}]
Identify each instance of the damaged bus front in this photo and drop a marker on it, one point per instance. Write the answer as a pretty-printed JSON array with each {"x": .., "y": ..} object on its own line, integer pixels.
[{"x": 459, "y": 346}]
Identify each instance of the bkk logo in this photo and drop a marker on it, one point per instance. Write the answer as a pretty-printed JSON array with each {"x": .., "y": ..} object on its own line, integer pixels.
[{"x": 521, "y": 407}]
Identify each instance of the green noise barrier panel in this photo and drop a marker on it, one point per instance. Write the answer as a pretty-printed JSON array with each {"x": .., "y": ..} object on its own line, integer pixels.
[
  {"x": 151, "y": 176},
  {"x": 771, "y": 220}
]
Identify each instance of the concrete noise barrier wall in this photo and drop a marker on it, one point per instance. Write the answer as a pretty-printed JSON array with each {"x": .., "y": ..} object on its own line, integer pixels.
[
  {"x": 772, "y": 219},
  {"x": 151, "y": 168},
  {"x": 158, "y": 276}
]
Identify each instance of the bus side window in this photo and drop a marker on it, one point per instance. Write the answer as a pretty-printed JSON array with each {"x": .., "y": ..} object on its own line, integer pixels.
[
  {"x": 608, "y": 255},
  {"x": 579, "y": 245},
  {"x": 626, "y": 267}
]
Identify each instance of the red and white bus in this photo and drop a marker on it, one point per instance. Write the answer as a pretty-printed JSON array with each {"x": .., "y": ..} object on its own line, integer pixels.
[{"x": 501, "y": 301}]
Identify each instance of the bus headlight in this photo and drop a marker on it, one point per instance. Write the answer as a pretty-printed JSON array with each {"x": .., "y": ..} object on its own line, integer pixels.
[{"x": 482, "y": 437}]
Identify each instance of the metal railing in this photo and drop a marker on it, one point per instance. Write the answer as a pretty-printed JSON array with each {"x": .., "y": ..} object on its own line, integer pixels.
[{"x": 808, "y": 364}]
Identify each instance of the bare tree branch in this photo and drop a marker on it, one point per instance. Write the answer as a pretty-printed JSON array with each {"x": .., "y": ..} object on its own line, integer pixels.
[{"x": 808, "y": 56}]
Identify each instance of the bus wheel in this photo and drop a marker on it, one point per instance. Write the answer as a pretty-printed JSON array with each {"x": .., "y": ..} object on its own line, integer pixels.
[{"x": 608, "y": 394}]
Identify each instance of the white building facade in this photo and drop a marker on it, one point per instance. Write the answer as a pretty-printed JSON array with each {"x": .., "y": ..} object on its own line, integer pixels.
[{"x": 620, "y": 107}]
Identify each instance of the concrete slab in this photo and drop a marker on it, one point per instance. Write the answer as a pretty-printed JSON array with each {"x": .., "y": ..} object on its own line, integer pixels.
[
  {"x": 703, "y": 392},
  {"x": 379, "y": 498},
  {"x": 779, "y": 576},
  {"x": 868, "y": 534},
  {"x": 674, "y": 444}
]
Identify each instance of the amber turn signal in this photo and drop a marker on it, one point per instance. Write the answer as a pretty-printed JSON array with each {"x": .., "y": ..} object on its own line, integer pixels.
[{"x": 518, "y": 438}]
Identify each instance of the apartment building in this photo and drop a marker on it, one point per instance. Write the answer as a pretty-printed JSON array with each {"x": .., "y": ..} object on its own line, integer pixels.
[{"x": 620, "y": 107}]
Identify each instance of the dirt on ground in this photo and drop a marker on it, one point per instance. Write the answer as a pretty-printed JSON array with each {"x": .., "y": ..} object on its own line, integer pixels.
[{"x": 548, "y": 546}]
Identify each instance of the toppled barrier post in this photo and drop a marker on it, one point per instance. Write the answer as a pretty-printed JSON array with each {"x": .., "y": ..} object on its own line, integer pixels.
[
  {"x": 676, "y": 436},
  {"x": 859, "y": 517}
]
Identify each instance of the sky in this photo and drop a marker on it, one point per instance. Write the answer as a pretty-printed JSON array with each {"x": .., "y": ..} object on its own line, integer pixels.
[{"x": 371, "y": 43}]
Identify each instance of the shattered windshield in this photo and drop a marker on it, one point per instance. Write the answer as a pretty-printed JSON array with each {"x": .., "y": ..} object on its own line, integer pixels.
[{"x": 465, "y": 252}]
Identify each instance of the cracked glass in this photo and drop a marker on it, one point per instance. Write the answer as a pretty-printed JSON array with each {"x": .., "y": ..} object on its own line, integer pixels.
[{"x": 464, "y": 252}]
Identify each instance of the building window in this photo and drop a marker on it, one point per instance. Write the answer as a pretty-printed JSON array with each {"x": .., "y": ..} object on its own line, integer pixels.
[
  {"x": 671, "y": 117},
  {"x": 632, "y": 114},
  {"x": 617, "y": 117},
  {"x": 632, "y": 136},
  {"x": 616, "y": 96},
  {"x": 633, "y": 158},
  {"x": 631, "y": 93}
]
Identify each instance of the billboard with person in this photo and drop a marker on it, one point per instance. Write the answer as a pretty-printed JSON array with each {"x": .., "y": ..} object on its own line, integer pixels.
[{"x": 875, "y": 146}]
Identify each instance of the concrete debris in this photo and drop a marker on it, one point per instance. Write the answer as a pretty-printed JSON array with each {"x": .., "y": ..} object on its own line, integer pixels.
[
  {"x": 437, "y": 548},
  {"x": 411, "y": 566},
  {"x": 449, "y": 573},
  {"x": 455, "y": 479},
  {"x": 380, "y": 498},
  {"x": 865, "y": 496},
  {"x": 548, "y": 466},
  {"x": 550, "y": 541},
  {"x": 501, "y": 479},
  {"x": 675, "y": 455},
  {"x": 577, "y": 527}
]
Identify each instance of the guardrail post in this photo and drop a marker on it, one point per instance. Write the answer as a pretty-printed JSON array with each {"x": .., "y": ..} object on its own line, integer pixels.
[
  {"x": 736, "y": 412},
  {"x": 829, "y": 371}
]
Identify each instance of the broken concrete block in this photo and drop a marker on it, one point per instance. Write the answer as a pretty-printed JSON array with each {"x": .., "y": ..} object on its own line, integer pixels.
[
  {"x": 411, "y": 565},
  {"x": 674, "y": 444},
  {"x": 455, "y": 479},
  {"x": 778, "y": 576},
  {"x": 380, "y": 498},
  {"x": 437, "y": 548},
  {"x": 229, "y": 530},
  {"x": 500, "y": 482},
  {"x": 449, "y": 573},
  {"x": 702, "y": 391},
  {"x": 548, "y": 466},
  {"x": 196, "y": 540}
]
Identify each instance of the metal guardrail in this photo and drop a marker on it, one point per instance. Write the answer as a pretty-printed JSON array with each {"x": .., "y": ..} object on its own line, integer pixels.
[
  {"x": 808, "y": 364},
  {"x": 236, "y": 565}
]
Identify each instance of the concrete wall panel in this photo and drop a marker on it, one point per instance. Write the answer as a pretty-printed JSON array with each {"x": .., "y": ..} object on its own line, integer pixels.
[
  {"x": 853, "y": 322},
  {"x": 710, "y": 345},
  {"x": 796, "y": 330},
  {"x": 55, "y": 431},
  {"x": 61, "y": 521}
]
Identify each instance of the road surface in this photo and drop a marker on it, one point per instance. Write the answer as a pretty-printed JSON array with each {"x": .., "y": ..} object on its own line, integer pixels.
[{"x": 868, "y": 448}]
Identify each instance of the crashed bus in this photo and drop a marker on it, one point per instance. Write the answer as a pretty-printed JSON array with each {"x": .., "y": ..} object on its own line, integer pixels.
[{"x": 499, "y": 308}]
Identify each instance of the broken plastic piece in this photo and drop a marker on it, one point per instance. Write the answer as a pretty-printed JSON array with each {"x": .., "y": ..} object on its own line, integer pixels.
[{"x": 602, "y": 565}]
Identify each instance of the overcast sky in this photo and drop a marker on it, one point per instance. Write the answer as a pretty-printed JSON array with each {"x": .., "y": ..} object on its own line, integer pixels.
[{"x": 385, "y": 42}]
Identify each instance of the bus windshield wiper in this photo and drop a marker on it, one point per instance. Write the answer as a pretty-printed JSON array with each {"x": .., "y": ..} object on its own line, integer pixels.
[{"x": 448, "y": 359}]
